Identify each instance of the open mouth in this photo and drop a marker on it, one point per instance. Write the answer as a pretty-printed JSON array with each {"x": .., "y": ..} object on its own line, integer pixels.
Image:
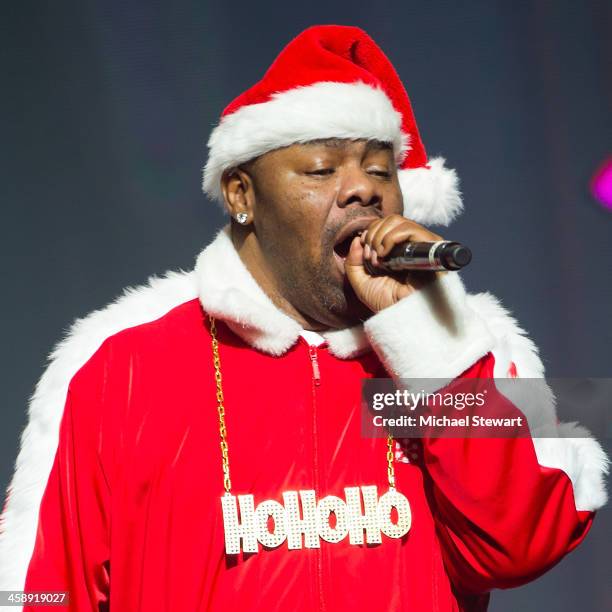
[
  {"x": 343, "y": 247},
  {"x": 345, "y": 237}
]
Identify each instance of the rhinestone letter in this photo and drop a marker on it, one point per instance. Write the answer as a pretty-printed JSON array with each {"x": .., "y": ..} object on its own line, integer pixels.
[
  {"x": 326, "y": 506},
  {"x": 297, "y": 526},
  {"x": 314, "y": 522},
  {"x": 357, "y": 521},
  {"x": 236, "y": 530},
  {"x": 276, "y": 510},
  {"x": 393, "y": 499}
]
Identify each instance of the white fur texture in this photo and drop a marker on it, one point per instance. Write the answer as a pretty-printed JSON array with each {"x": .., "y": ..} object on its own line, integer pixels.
[
  {"x": 432, "y": 333},
  {"x": 40, "y": 436},
  {"x": 582, "y": 458},
  {"x": 331, "y": 110},
  {"x": 228, "y": 291},
  {"x": 323, "y": 110},
  {"x": 566, "y": 446},
  {"x": 435, "y": 346},
  {"x": 226, "y": 288},
  {"x": 431, "y": 195},
  {"x": 532, "y": 394},
  {"x": 347, "y": 343},
  {"x": 512, "y": 339}
]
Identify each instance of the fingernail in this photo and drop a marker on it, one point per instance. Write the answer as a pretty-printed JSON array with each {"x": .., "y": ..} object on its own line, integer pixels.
[
  {"x": 374, "y": 257},
  {"x": 366, "y": 251}
]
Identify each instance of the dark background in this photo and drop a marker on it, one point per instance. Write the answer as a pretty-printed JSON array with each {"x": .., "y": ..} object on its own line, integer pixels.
[{"x": 107, "y": 106}]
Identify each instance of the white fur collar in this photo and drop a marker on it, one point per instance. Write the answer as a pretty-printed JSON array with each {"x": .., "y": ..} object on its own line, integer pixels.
[{"x": 227, "y": 290}]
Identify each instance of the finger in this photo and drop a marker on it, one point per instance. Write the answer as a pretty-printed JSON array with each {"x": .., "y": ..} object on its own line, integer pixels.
[
  {"x": 364, "y": 233},
  {"x": 402, "y": 233},
  {"x": 405, "y": 232},
  {"x": 368, "y": 232},
  {"x": 355, "y": 254},
  {"x": 353, "y": 264},
  {"x": 386, "y": 226}
]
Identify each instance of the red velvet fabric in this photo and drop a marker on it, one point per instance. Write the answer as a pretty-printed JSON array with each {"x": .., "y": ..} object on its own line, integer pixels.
[
  {"x": 131, "y": 516},
  {"x": 342, "y": 54}
]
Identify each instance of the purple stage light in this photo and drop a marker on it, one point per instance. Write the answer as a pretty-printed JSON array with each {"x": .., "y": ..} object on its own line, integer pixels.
[{"x": 601, "y": 184}]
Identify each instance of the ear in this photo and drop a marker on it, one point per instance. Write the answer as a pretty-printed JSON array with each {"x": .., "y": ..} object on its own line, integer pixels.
[{"x": 238, "y": 191}]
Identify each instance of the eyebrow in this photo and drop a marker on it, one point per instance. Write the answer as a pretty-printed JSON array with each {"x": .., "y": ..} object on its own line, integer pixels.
[
  {"x": 339, "y": 143},
  {"x": 377, "y": 145}
]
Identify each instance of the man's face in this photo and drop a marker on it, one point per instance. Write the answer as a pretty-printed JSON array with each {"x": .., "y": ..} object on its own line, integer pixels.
[{"x": 310, "y": 201}]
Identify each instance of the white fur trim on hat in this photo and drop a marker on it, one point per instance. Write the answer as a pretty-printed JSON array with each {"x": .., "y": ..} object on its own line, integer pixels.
[
  {"x": 323, "y": 110},
  {"x": 431, "y": 195},
  {"x": 331, "y": 110}
]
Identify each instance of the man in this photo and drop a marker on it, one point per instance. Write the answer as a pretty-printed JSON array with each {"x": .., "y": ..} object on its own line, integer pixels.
[{"x": 124, "y": 497}]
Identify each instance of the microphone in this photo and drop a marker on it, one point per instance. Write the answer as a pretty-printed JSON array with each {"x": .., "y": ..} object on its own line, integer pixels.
[{"x": 427, "y": 256}]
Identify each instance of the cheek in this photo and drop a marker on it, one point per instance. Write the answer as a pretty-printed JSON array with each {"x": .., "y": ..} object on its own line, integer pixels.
[
  {"x": 292, "y": 236},
  {"x": 295, "y": 215},
  {"x": 306, "y": 216},
  {"x": 393, "y": 203},
  {"x": 314, "y": 195}
]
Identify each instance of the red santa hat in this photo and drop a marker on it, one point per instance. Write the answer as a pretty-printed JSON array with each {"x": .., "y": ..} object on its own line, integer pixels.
[{"x": 333, "y": 81}]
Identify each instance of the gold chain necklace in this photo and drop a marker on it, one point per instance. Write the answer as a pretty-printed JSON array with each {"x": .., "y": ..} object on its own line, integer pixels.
[{"x": 361, "y": 510}]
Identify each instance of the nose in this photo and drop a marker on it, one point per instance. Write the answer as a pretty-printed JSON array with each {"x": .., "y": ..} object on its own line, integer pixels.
[{"x": 358, "y": 187}]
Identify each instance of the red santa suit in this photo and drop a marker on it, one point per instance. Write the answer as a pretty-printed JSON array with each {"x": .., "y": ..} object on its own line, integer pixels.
[
  {"x": 123, "y": 507},
  {"x": 117, "y": 488}
]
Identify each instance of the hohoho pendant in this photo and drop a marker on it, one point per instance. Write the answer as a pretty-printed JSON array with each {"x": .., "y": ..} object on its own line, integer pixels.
[{"x": 361, "y": 513}]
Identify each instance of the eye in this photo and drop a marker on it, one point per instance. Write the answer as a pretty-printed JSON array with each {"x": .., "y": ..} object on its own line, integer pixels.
[
  {"x": 382, "y": 173},
  {"x": 321, "y": 171}
]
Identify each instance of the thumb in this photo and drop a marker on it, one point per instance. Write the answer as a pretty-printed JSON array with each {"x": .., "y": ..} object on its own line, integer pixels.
[{"x": 353, "y": 264}]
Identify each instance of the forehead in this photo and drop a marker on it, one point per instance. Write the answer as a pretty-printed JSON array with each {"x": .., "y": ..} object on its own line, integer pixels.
[
  {"x": 343, "y": 144},
  {"x": 300, "y": 150}
]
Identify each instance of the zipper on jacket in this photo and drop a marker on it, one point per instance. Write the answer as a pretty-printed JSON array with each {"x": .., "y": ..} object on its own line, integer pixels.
[
  {"x": 316, "y": 373},
  {"x": 316, "y": 381}
]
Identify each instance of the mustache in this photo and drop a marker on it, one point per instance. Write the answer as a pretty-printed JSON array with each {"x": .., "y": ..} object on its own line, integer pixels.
[{"x": 329, "y": 234}]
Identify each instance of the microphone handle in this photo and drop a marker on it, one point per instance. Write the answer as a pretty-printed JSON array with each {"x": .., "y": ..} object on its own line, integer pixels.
[{"x": 428, "y": 256}]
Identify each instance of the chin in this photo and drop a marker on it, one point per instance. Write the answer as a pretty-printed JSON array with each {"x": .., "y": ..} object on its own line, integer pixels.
[
  {"x": 344, "y": 307},
  {"x": 336, "y": 302},
  {"x": 358, "y": 314}
]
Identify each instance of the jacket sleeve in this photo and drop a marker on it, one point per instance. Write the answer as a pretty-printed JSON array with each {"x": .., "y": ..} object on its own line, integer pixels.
[
  {"x": 71, "y": 541},
  {"x": 64, "y": 467},
  {"x": 506, "y": 509}
]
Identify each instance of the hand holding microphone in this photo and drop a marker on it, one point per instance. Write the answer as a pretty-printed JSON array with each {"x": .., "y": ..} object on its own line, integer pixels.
[
  {"x": 395, "y": 256},
  {"x": 429, "y": 256}
]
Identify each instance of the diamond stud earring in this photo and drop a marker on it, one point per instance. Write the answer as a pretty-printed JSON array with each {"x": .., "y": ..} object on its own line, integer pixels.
[{"x": 242, "y": 217}]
